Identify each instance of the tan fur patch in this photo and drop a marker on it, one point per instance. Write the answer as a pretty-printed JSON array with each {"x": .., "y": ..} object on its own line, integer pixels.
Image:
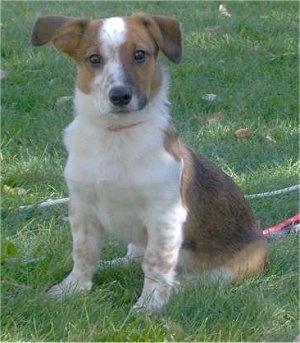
[
  {"x": 250, "y": 260},
  {"x": 145, "y": 76}
]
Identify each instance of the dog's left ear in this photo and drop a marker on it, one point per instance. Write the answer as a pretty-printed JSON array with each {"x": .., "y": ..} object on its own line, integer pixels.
[
  {"x": 64, "y": 32},
  {"x": 166, "y": 33}
]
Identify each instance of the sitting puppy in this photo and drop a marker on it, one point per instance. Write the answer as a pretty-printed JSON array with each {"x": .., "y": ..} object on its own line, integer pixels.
[{"x": 130, "y": 175}]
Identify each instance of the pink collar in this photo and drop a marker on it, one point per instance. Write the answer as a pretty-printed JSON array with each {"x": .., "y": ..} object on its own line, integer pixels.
[{"x": 117, "y": 128}]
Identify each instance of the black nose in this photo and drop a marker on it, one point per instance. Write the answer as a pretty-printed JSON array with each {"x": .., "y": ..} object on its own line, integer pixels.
[{"x": 120, "y": 96}]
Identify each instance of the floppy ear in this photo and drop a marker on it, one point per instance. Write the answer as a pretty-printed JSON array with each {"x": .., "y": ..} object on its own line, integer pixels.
[
  {"x": 166, "y": 33},
  {"x": 64, "y": 32}
]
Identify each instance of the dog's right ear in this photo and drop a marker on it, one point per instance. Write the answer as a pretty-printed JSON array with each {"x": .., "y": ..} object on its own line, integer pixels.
[
  {"x": 165, "y": 31},
  {"x": 64, "y": 32}
]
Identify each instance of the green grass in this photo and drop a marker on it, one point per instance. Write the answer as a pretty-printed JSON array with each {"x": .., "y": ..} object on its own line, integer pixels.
[{"x": 250, "y": 61}]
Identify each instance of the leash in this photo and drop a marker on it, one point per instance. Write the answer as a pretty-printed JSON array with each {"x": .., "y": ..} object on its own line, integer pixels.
[{"x": 283, "y": 228}]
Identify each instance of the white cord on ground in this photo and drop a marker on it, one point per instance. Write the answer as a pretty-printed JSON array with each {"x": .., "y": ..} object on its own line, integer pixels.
[
  {"x": 270, "y": 194},
  {"x": 46, "y": 203},
  {"x": 50, "y": 202}
]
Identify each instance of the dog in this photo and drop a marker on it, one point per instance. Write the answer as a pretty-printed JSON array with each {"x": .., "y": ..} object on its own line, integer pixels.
[{"x": 128, "y": 172}]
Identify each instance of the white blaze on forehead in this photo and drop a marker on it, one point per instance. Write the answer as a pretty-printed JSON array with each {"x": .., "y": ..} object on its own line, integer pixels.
[{"x": 113, "y": 33}]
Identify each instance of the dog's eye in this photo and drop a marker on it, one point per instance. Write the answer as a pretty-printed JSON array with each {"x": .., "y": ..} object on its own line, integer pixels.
[
  {"x": 95, "y": 60},
  {"x": 139, "y": 56}
]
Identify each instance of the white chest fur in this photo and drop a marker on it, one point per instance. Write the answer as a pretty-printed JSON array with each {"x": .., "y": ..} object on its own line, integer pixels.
[{"x": 129, "y": 175}]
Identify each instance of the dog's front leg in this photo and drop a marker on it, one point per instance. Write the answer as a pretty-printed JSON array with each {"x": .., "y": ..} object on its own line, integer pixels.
[
  {"x": 159, "y": 263},
  {"x": 86, "y": 233}
]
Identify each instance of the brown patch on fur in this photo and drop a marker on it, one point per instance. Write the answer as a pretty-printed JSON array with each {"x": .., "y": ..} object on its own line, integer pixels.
[
  {"x": 76, "y": 37},
  {"x": 220, "y": 228},
  {"x": 87, "y": 47},
  {"x": 172, "y": 143},
  {"x": 144, "y": 77},
  {"x": 80, "y": 49},
  {"x": 165, "y": 31},
  {"x": 250, "y": 260},
  {"x": 150, "y": 34}
]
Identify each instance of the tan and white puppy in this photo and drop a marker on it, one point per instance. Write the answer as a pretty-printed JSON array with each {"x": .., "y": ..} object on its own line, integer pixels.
[{"x": 130, "y": 175}]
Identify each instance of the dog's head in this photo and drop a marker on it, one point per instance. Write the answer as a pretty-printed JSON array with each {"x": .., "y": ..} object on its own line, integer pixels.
[{"x": 116, "y": 57}]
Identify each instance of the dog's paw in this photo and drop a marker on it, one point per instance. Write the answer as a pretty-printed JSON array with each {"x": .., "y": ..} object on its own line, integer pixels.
[
  {"x": 69, "y": 287},
  {"x": 150, "y": 303},
  {"x": 155, "y": 295},
  {"x": 149, "y": 308}
]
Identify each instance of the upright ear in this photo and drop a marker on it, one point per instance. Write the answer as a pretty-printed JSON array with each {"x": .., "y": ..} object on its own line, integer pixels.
[
  {"x": 166, "y": 33},
  {"x": 64, "y": 32}
]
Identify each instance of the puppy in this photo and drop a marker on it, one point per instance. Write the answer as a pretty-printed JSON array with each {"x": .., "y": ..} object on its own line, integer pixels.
[{"x": 128, "y": 172}]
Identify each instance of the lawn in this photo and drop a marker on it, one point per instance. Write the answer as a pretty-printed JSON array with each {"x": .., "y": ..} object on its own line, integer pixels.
[{"x": 249, "y": 60}]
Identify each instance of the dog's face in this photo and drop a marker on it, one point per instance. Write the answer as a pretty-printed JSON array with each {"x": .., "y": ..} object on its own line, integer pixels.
[{"x": 116, "y": 57}]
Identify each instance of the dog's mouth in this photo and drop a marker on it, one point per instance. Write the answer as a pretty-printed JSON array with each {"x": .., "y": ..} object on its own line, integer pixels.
[{"x": 121, "y": 109}]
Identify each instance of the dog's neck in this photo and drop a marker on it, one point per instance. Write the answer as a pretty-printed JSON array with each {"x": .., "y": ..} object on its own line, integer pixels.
[{"x": 119, "y": 127}]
